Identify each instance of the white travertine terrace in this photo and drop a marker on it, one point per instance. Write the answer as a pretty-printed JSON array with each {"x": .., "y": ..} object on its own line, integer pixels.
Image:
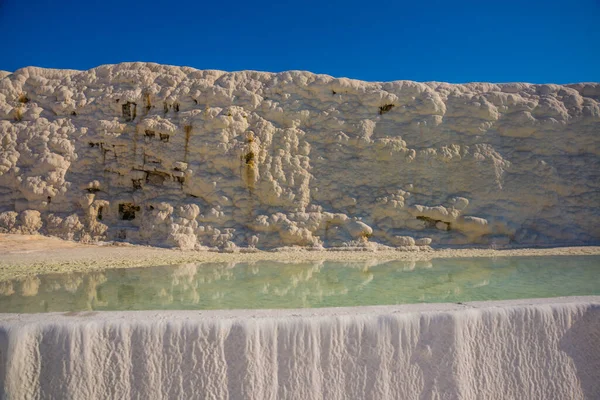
[
  {"x": 525, "y": 349},
  {"x": 178, "y": 157}
]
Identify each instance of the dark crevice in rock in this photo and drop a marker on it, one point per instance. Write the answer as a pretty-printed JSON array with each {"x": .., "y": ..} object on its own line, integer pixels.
[
  {"x": 129, "y": 111},
  {"x": 385, "y": 108},
  {"x": 127, "y": 211}
]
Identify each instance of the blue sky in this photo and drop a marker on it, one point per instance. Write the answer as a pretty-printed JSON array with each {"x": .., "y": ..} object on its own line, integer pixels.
[{"x": 453, "y": 41}]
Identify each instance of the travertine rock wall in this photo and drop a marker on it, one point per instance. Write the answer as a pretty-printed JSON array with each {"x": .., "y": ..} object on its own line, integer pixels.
[
  {"x": 174, "y": 156},
  {"x": 496, "y": 351}
]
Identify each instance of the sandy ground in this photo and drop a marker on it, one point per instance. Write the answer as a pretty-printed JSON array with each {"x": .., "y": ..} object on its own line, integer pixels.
[{"x": 22, "y": 255}]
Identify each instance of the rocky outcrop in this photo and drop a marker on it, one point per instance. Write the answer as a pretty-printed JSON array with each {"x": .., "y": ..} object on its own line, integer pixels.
[{"x": 178, "y": 157}]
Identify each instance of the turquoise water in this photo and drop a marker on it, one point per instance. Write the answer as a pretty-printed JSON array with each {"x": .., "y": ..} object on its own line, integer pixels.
[{"x": 311, "y": 284}]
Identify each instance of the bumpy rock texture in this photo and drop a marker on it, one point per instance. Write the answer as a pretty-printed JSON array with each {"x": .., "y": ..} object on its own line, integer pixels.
[
  {"x": 174, "y": 156},
  {"x": 534, "y": 352}
]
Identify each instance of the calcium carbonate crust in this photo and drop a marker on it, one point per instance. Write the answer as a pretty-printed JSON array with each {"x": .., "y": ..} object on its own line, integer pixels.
[
  {"x": 523, "y": 349},
  {"x": 178, "y": 157}
]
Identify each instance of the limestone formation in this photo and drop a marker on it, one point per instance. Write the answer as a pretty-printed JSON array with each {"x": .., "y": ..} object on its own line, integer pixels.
[
  {"x": 526, "y": 349},
  {"x": 178, "y": 157}
]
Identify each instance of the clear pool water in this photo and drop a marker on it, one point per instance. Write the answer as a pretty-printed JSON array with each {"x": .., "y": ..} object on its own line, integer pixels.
[{"x": 311, "y": 284}]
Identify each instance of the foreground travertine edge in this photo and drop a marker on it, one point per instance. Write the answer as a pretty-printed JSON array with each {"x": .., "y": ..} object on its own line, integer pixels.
[{"x": 530, "y": 349}]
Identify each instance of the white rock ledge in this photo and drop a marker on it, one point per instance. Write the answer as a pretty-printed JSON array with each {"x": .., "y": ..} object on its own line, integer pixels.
[{"x": 524, "y": 349}]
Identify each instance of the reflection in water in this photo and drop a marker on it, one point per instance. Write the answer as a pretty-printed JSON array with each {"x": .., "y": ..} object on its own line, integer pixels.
[{"x": 312, "y": 284}]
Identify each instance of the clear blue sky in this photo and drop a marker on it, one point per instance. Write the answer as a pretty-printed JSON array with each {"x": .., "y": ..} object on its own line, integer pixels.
[{"x": 454, "y": 41}]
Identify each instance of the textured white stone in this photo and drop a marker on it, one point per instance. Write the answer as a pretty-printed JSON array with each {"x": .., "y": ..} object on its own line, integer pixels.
[
  {"x": 407, "y": 241},
  {"x": 423, "y": 242},
  {"x": 205, "y": 159},
  {"x": 527, "y": 349}
]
